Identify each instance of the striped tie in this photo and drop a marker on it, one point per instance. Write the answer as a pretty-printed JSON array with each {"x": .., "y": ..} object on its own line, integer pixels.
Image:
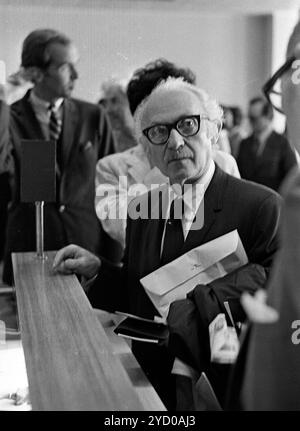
[{"x": 55, "y": 127}]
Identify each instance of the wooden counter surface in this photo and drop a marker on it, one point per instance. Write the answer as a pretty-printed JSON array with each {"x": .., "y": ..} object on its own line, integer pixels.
[{"x": 72, "y": 362}]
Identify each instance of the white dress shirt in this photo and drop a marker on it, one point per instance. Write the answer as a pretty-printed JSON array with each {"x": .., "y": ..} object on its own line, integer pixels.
[{"x": 192, "y": 195}]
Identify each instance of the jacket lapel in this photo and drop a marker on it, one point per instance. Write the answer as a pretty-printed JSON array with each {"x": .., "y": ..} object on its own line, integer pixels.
[
  {"x": 30, "y": 124},
  {"x": 26, "y": 116},
  {"x": 210, "y": 206},
  {"x": 70, "y": 123},
  {"x": 136, "y": 171},
  {"x": 137, "y": 163},
  {"x": 155, "y": 227}
]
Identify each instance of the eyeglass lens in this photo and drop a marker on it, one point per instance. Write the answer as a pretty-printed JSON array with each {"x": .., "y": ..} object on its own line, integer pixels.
[{"x": 186, "y": 127}]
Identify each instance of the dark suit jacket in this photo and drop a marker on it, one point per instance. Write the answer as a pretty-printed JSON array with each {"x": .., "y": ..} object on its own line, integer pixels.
[
  {"x": 4, "y": 200},
  {"x": 86, "y": 137},
  {"x": 229, "y": 204},
  {"x": 271, "y": 167},
  {"x": 267, "y": 373}
]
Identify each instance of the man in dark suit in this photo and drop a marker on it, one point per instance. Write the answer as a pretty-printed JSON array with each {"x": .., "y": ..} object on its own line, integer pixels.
[
  {"x": 265, "y": 157},
  {"x": 179, "y": 123},
  {"x": 267, "y": 374},
  {"x": 82, "y": 134}
]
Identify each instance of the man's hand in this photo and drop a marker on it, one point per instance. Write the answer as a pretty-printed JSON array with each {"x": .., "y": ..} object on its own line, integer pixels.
[
  {"x": 256, "y": 308},
  {"x": 20, "y": 396},
  {"x": 74, "y": 259}
]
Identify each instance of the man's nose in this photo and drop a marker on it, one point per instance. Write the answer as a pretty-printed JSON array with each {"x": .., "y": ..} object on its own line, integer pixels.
[
  {"x": 74, "y": 73},
  {"x": 175, "y": 140}
]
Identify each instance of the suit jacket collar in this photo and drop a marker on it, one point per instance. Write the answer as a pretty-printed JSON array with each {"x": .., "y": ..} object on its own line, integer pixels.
[
  {"x": 211, "y": 205},
  {"x": 207, "y": 212},
  {"x": 24, "y": 110},
  {"x": 265, "y": 135},
  {"x": 70, "y": 125},
  {"x": 138, "y": 163},
  {"x": 153, "y": 229}
]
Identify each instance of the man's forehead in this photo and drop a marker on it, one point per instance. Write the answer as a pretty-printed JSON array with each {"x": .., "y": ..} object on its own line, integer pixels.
[{"x": 169, "y": 104}]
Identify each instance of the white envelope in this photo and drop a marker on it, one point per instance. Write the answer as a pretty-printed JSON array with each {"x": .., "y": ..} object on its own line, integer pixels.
[{"x": 201, "y": 265}]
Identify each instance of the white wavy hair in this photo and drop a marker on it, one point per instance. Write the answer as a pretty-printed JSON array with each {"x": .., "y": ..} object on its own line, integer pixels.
[{"x": 208, "y": 105}]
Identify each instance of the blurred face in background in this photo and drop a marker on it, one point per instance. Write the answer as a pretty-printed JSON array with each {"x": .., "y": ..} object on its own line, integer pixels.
[
  {"x": 258, "y": 121},
  {"x": 116, "y": 105},
  {"x": 228, "y": 119}
]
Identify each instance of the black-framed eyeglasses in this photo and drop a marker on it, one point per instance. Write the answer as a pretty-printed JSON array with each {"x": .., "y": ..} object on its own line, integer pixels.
[
  {"x": 187, "y": 126},
  {"x": 272, "y": 89}
]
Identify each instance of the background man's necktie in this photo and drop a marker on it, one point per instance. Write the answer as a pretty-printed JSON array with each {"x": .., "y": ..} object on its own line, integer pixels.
[
  {"x": 255, "y": 146},
  {"x": 55, "y": 127},
  {"x": 174, "y": 239}
]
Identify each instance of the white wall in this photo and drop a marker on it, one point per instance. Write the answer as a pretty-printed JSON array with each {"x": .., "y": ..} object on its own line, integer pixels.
[{"x": 230, "y": 54}]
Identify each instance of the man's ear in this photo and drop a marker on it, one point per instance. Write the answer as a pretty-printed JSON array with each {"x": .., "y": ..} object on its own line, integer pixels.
[
  {"x": 218, "y": 124},
  {"x": 34, "y": 74}
]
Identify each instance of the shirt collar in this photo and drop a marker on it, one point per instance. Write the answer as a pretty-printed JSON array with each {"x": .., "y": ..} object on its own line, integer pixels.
[
  {"x": 39, "y": 103},
  {"x": 263, "y": 136},
  {"x": 193, "y": 193}
]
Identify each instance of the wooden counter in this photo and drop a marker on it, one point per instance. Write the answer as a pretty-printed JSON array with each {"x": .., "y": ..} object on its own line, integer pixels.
[{"x": 72, "y": 362}]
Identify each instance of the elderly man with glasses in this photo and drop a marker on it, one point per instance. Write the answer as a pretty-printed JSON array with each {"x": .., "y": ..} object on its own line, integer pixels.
[{"x": 180, "y": 123}]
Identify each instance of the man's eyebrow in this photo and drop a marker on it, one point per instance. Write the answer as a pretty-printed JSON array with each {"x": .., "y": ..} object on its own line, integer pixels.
[{"x": 157, "y": 123}]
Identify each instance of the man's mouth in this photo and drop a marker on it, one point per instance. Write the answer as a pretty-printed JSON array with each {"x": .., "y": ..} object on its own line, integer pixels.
[{"x": 178, "y": 159}]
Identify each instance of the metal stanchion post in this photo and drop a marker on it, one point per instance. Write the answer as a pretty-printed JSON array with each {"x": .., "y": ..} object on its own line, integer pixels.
[{"x": 39, "y": 221}]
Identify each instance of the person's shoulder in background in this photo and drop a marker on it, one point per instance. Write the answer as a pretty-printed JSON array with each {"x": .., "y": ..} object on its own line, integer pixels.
[
  {"x": 226, "y": 162},
  {"x": 121, "y": 162}
]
